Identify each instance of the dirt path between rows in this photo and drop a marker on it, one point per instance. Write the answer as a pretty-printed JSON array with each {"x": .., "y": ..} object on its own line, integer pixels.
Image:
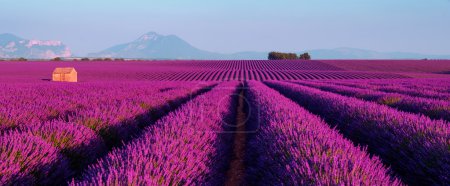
[{"x": 235, "y": 175}]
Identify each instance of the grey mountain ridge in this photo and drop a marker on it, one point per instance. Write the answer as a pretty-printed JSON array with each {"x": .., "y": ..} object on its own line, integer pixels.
[
  {"x": 173, "y": 47},
  {"x": 155, "y": 46},
  {"x": 12, "y": 46}
]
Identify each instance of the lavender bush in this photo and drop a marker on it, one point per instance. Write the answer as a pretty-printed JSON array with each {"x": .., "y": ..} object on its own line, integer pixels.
[
  {"x": 187, "y": 146},
  {"x": 415, "y": 146},
  {"x": 80, "y": 144},
  {"x": 420, "y": 88},
  {"x": 433, "y": 108},
  {"x": 29, "y": 160},
  {"x": 294, "y": 147}
]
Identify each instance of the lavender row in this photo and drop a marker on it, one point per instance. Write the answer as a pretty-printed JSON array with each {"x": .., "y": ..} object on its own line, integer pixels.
[
  {"x": 438, "y": 85},
  {"x": 417, "y": 92},
  {"x": 21, "y": 104},
  {"x": 126, "y": 113},
  {"x": 294, "y": 147},
  {"x": 185, "y": 147},
  {"x": 433, "y": 108},
  {"x": 113, "y": 111},
  {"x": 120, "y": 119},
  {"x": 80, "y": 144},
  {"x": 29, "y": 160},
  {"x": 25, "y": 103},
  {"x": 415, "y": 146}
]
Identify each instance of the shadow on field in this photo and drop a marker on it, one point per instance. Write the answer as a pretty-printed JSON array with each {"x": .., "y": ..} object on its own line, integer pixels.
[
  {"x": 444, "y": 72},
  {"x": 122, "y": 133}
]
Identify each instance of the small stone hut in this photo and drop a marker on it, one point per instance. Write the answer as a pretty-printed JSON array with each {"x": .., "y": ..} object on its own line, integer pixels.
[{"x": 66, "y": 74}]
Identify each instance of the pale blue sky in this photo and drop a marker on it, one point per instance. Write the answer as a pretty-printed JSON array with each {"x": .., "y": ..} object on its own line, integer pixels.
[{"x": 237, "y": 25}]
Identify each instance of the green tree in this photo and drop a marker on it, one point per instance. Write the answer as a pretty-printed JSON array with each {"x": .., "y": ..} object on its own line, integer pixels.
[
  {"x": 282, "y": 56},
  {"x": 305, "y": 56},
  {"x": 57, "y": 59}
]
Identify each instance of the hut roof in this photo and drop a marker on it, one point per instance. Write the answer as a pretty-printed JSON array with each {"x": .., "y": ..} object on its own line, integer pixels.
[{"x": 64, "y": 70}]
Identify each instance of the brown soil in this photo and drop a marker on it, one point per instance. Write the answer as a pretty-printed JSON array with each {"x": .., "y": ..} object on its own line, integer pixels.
[{"x": 235, "y": 174}]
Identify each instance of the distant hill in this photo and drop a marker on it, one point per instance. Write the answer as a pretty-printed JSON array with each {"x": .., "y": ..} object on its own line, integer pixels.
[
  {"x": 155, "y": 46},
  {"x": 353, "y": 53},
  {"x": 12, "y": 46}
]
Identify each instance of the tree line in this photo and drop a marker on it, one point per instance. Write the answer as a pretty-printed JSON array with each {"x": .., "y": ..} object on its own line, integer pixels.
[{"x": 288, "y": 56}]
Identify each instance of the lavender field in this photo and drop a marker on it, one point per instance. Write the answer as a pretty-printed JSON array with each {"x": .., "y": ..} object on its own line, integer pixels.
[{"x": 226, "y": 123}]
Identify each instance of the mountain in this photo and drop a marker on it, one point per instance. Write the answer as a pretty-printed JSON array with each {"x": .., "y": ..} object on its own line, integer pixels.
[
  {"x": 155, "y": 46},
  {"x": 353, "y": 53},
  {"x": 12, "y": 46}
]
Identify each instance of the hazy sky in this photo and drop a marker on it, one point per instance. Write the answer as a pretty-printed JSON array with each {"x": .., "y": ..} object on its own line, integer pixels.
[{"x": 236, "y": 25}]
